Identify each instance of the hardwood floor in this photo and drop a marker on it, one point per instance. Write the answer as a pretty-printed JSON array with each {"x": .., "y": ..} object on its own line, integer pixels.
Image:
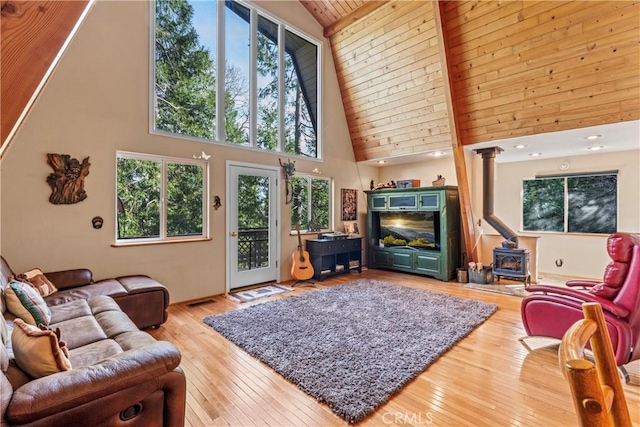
[{"x": 487, "y": 379}]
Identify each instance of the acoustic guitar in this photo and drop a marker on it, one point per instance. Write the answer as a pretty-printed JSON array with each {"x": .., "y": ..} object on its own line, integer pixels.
[{"x": 301, "y": 268}]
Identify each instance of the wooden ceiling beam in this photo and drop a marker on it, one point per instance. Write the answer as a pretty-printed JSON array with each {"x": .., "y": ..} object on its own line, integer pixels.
[
  {"x": 468, "y": 223},
  {"x": 353, "y": 17}
]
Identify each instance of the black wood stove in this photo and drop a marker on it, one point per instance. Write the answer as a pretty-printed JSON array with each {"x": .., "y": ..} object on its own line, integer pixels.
[
  {"x": 512, "y": 263},
  {"x": 509, "y": 260}
]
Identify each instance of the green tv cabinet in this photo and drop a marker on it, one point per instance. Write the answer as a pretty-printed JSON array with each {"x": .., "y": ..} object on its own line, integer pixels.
[{"x": 424, "y": 210}]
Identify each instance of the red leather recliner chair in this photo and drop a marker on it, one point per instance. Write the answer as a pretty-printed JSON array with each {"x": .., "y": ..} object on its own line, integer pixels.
[{"x": 551, "y": 310}]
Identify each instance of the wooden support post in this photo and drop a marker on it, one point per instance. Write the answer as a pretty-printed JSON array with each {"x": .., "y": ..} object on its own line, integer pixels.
[
  {"x": 598, "y": 396},
  {"x": 468, "y": 224},
  {"x": 606, "y": 364}
]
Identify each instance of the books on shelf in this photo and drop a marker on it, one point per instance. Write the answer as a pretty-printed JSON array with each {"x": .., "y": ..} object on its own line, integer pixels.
[
  {"x": 339, "y": 267},
  {"x": 325, "y": 271},
  {"x": 354, "y": 263}
]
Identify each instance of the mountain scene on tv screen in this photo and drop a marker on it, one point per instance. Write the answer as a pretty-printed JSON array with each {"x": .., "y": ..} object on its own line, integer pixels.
[{"x": 408, "y": 229}]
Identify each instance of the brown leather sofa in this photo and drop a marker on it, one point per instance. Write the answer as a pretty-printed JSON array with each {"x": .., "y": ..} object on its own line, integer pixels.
[
  {"x": 143, "y": 299},
  {"x": 119, "y": 376}
]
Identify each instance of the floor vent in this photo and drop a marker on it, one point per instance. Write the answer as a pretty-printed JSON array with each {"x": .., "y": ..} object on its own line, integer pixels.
[{"x": 203, "y": 302}]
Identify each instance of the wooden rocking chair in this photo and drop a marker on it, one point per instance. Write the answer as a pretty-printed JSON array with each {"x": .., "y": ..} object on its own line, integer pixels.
[{"x": 597, "y": 390}]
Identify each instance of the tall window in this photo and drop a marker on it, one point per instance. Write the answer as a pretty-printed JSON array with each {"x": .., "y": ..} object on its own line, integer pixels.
[
  {"x": 227, "y": 72},
  {"x": 237, "y": 41},
  {"x": 185, "y": 68},
  {"x": 300, "y": 95},
  {"x": 311, "y": 203},
  {"x": 585, "y": 203},
  {"x": 160, "y": 198}
]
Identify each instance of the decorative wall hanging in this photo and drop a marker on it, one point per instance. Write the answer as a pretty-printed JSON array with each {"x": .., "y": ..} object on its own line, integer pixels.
[
  {"x": 67, "y": 179},
  {"x": 288, "y": 169},
  {"x": 202, "y": 156},
  {"x": 216, "y": 202},
  {"x": 349, "y": 204},
  {"x": 97, "y": 222}
]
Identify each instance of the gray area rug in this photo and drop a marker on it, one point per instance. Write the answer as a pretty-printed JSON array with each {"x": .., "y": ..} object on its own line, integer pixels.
[{"x": 353, "y": 346}]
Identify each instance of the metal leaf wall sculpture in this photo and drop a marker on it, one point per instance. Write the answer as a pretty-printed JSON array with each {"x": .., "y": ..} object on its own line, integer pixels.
[{"x": 288, "y": 169}]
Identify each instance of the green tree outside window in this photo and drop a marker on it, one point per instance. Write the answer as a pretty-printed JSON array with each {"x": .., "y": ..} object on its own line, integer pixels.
[
  {"x": 186, "y": 78},
  {"x": 310, "y": 206},
  {"x": 140, "y": 183},
  {"x": 572, "y": 204}
]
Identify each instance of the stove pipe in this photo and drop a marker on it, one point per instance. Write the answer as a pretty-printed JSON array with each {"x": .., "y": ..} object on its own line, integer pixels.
[{"x": 488, "y": 156}]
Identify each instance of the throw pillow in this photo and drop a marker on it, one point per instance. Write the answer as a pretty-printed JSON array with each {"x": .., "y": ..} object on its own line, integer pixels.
[
  {"x": 39, "y": 352},
  {"x": 36, "y": 278},
  {"x": 26, "y": 303}
]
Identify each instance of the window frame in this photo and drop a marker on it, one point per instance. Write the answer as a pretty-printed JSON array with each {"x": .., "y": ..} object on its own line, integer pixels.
[
  {"x": 309, "y": 178},
  {"x": 566, "y": 194},
  {"x": 220, "y": 139},
  {"x": 163, "y": 237}
]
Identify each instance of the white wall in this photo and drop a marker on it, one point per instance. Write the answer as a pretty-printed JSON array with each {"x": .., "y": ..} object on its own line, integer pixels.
[{"x": 97, "y": 102}]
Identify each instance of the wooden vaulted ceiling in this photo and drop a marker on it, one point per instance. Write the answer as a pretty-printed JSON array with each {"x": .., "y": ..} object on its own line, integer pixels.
[
  {"x": 514, "y": 68},
  {"x": 328, "y": 12}
]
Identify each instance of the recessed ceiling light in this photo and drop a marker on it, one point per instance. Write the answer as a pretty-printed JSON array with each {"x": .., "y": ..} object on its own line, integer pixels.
[
  {"x": 535, "y": 154},
  {"x": 596, "y": 148},
  {"x": 437, "y": 153},
  {"x": 382, "y": 162},
  {"x": 592, "y": 137},
  {"x": 519, "y": 146}
]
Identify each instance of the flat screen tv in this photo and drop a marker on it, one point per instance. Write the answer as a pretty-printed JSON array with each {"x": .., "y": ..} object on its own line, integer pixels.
[{"x": 417, "y": 229}]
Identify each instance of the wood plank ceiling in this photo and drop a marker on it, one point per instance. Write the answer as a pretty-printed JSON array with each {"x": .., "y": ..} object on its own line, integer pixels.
[
  {"x": 531, "y": 67},
  {"x": 517, "y": 68},
  {"x": 328, "y": 12}
]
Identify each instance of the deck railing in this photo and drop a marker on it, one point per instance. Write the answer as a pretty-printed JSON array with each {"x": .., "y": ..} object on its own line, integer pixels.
[{"x": 253, "y": 248}]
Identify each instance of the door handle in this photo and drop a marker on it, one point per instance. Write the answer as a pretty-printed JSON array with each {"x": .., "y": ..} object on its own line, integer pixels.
[{"x": 233, "y": 234}]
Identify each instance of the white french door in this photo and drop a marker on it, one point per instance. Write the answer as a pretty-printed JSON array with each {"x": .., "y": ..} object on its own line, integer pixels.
[{"x": 252, "y": 226}]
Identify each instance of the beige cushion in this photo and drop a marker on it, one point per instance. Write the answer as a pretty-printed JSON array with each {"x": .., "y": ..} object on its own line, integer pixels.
[
  {"x": 38, "y": 352},
  {"x": 4, "y": 331},
  {"x": 36, "y": 278},
  {"x": 26, "y": 303}
]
